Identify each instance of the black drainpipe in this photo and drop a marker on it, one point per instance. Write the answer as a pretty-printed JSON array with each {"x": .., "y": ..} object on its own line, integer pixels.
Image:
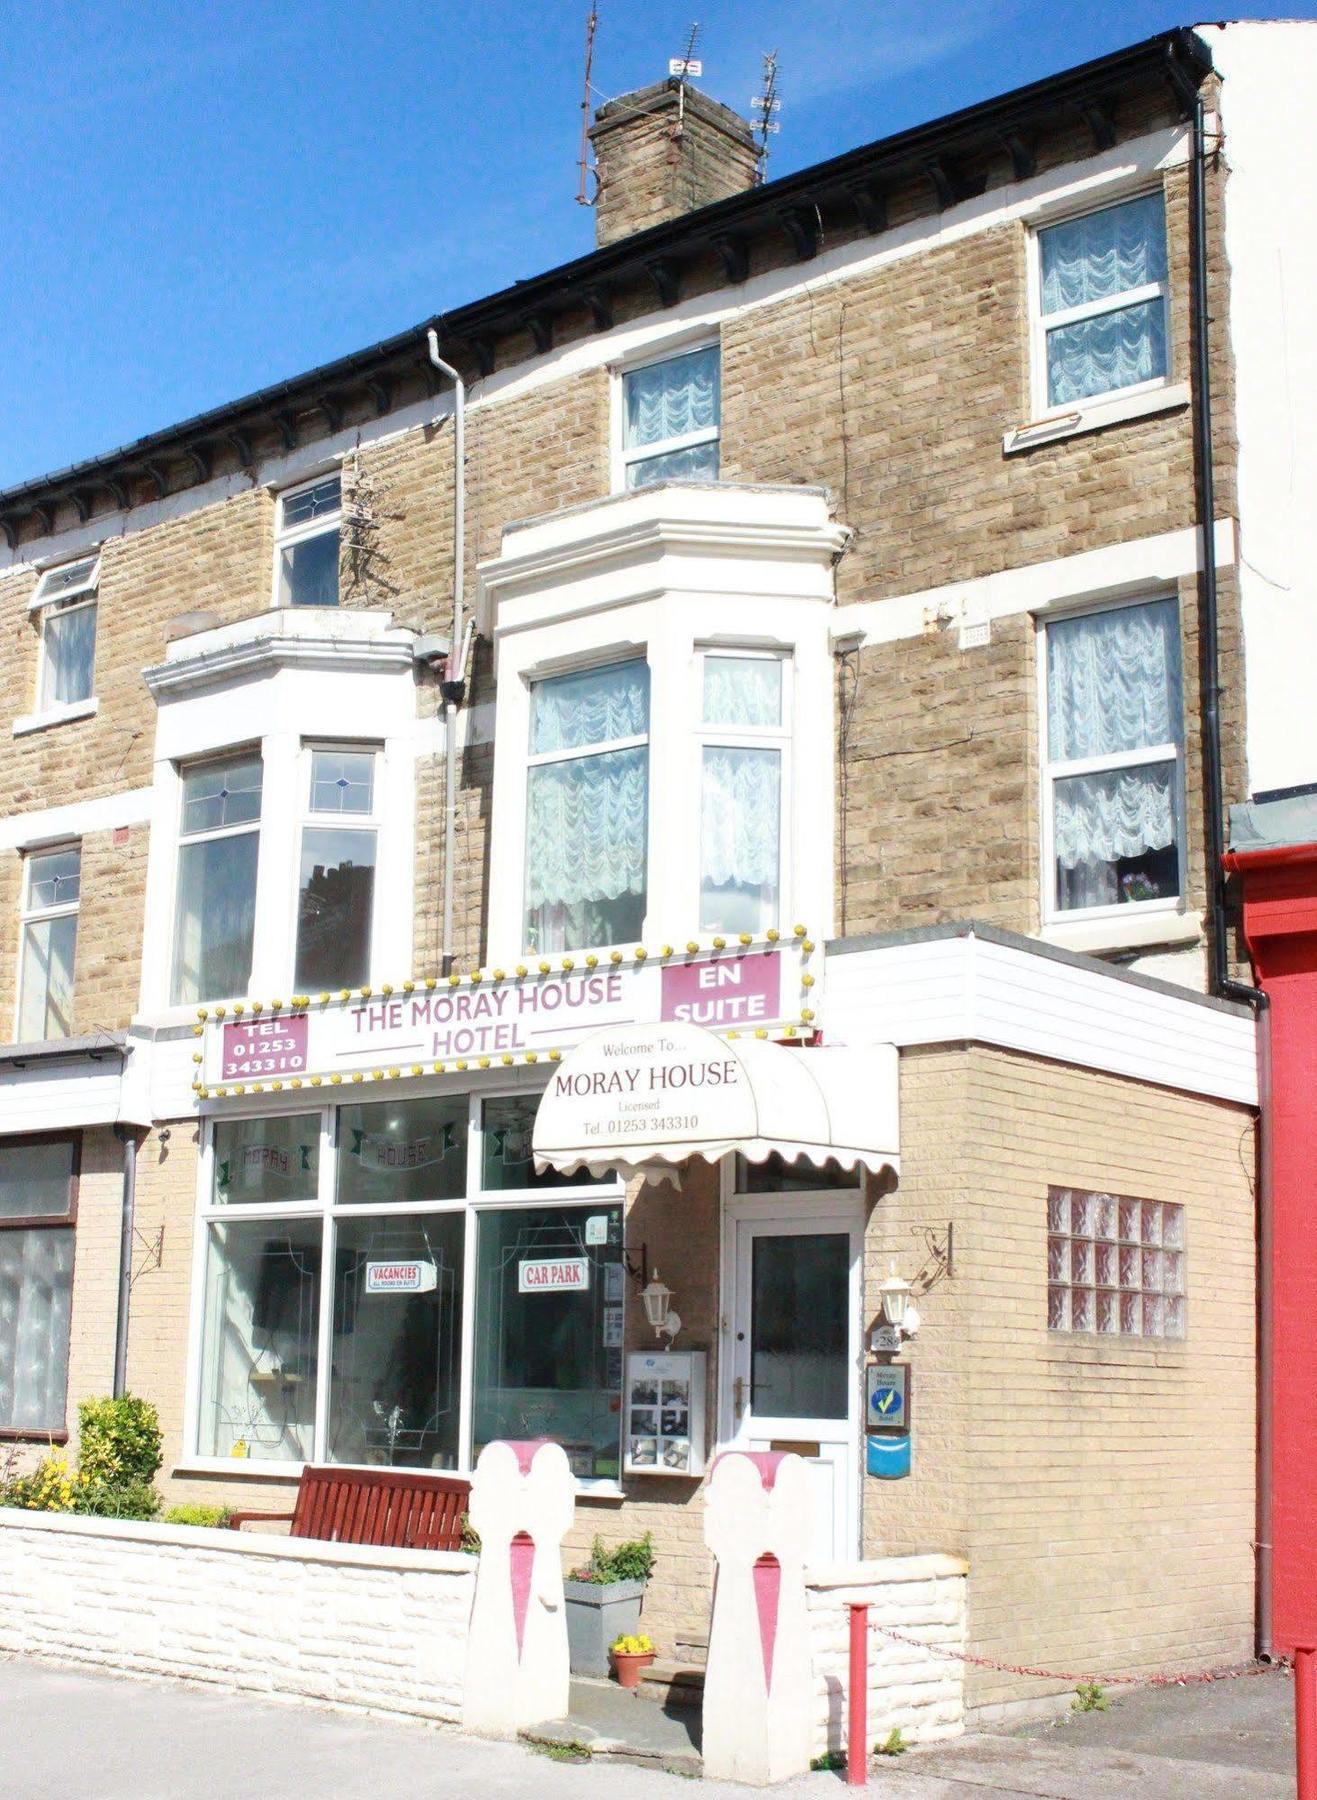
[
  {"x": 127, "y": 1135},
  {"x": 1222, "y": 982}
]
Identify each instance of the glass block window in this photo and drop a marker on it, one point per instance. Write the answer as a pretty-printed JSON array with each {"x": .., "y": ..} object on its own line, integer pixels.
[{"x": 1115, "y": 1266}]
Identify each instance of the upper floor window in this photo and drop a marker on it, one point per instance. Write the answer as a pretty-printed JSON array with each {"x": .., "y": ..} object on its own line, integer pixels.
[
  {"x": 336, "y": 879},
  {"x": 1113, "y": 779},
  {"x": 670, "y": 419},
  {"x": 306, "y": 543},
  {"x": 587, "y": 808},
  {"x": 38, "y": 1203},
  {"x": 215, "y": 908},
  {"x": 1101, "y": 317},
  {"x": 743, "y": 742},
  {"x": 66, "y": 598},
  {"x": 51, "y": 887}
]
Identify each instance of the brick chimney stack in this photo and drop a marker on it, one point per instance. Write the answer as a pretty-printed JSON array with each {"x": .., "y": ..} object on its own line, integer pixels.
[{"x": 663, "y": 151}]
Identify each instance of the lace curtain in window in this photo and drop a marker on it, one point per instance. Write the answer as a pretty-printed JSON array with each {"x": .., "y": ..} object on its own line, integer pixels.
[
  {"x": 1085, "y": 262},
  {"x": 1113, "y": 686},
  {"x": 36, "y": 1284},
  {"x": 669, "y": 399}
]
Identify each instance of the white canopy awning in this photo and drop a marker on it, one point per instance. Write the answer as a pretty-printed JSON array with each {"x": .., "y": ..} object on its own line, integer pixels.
[{"x": 644, "y": 1099}]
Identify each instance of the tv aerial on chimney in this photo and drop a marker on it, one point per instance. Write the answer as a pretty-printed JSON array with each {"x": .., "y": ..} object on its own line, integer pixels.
[
  {"x": 687, "y": 66},
  {"x": 765, "y": 103},
  {"x": 588, "y": 172}
]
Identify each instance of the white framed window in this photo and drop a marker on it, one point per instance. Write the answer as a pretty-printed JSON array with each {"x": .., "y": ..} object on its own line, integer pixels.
[
  {"x": 66, "y": 600},
  {"x": 215, "y": 899},
  {"x": 1113, "y": 776},
  {"x": 336, "y": 872},
  {"x": 52, "y": 882},
  {"x": 38, "y": 1215},
  {"x": 669, "y": 419},
  {"x": 1100, "y": 305},
  {"x": 744, "y": 735},
  {"x": 306, "y": 543},
  {"x": 1115, "y": 1265},
  {"x": 587, "y": 808},
  {"x": 426, "y": 1343}
]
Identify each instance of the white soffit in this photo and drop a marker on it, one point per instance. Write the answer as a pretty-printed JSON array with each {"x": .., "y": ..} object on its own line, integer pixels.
[
  {"x": 979, "y": 986},
  {"x": 646, "y": 1100}
]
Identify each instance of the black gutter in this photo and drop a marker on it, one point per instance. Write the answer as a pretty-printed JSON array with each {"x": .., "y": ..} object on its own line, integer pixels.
[
  {"x": 858, "y": 178},
  {"x": 1221, "y": 980}
]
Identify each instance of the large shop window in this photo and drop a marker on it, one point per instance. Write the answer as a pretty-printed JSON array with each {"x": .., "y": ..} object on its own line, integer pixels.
[
  {"x": 336, "y": 881},
  {"x": 38, "y": 1201},
  {"x": 1113, "y": 781},
  {"x": 742, "y": 757},
  {"x": 335, "y": 1257},
  {"x": 306, "y": 543},
  {"x": 215, "y": 913},
  {"x": 1102, "y": 287},
  {"x": 52, "y": 883},
  {"x": 587, "y": 809},
  {"x": 670, "y": 419}
]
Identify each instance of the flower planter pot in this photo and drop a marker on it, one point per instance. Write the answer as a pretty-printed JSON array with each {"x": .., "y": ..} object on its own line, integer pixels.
[
  {"x": 598, "y": 1613},
  {"x": 628, "y": 1666}
]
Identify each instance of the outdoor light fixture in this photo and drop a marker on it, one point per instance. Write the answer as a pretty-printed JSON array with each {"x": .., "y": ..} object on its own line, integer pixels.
[
  {"x": 894, "y": 1295},
  {"x": 658, "y": 1308}
]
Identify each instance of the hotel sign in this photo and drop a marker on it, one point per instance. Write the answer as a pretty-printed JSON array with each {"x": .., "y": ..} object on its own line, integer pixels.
[
  {"x": 408, "y": 1277},
  {"x": 505, "y": 1016}
]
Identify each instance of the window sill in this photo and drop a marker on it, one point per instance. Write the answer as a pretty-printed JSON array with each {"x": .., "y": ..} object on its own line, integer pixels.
[
  {"x": 56, "y": 715},
  {"x": 250, "y": 1469},
  {"x": 1137, "y": 931},
  {"x": 34, "y": 1437},
  {"x": 1095, "y": 416}
]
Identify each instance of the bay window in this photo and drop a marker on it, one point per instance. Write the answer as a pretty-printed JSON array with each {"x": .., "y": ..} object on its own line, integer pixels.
[
  {"x": 336, "y": 878},
  {"x": 38, "y": 1203},
  {"x": 336, "y": 1251},
  {"x": 52, "y": 881},
  {"x": 1113, "y": 778},
  {"x": 215, "y": 907},
  {"x": 306, "y": 543},
  {"x": 1102, "y": 300},
  {"x": 670, "y": 419},
  {"x": 743, "y": 741},
  {"x": 587, "y": 808}
]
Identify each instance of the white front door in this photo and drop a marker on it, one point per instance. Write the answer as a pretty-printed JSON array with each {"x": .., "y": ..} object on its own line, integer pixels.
[{"x": 792, "y": 1347}]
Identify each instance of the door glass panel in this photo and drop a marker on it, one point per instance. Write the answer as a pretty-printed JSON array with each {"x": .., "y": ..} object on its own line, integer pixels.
[{"x": 798, "y": 1316}]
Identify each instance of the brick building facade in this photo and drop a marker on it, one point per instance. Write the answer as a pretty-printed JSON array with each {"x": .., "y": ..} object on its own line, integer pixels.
[{"x": 817, "y": 442}]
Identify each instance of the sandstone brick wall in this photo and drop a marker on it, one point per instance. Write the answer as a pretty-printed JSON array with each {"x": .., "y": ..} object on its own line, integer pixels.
[
  {"x": 1108, "y": 1480},
  {"x": 893, "y": 388}
]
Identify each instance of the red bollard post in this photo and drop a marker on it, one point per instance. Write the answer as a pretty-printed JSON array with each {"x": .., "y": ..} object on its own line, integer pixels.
[
  {"x": 857, "y": 1730},
  {"x": 1305, "y": 1723}
]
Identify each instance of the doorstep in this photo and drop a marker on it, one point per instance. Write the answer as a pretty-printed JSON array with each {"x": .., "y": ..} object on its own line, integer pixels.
[{"x": 608, "y": 1724}]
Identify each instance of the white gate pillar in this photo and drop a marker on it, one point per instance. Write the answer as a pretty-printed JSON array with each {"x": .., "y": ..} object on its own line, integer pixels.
[
  {"x": 758, "y": 1688},
  {"x": 522, "y": 1499}
]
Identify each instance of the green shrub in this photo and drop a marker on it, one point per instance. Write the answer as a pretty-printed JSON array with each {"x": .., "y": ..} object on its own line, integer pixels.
[
  {"x": 116, "y": 1500},
  {"x": 194, "y": 1512},
  {"x": 632, "y": 1561},
  {"x": 119, "y": 1442}
]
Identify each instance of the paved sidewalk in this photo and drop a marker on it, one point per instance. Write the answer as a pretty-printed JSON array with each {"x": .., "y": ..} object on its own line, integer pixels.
[{"x": 104, "y": 1737}]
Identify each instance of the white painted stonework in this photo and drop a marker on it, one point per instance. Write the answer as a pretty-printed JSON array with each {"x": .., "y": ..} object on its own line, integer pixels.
[
  {"x": 523, "y": 1498},
  {"x": 336, "y": 1623},
  {"x": 920, "y": 1691},
  {"x": 1270, "y": 201},
  {"x": 758, "y": 1692}
]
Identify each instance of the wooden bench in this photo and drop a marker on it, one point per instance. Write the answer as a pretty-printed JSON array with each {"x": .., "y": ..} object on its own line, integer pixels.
[{"x": 393, "y": 1508}]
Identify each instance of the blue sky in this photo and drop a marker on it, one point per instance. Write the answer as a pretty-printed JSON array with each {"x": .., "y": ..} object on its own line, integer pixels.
[{"x": 202, "y": 199}]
